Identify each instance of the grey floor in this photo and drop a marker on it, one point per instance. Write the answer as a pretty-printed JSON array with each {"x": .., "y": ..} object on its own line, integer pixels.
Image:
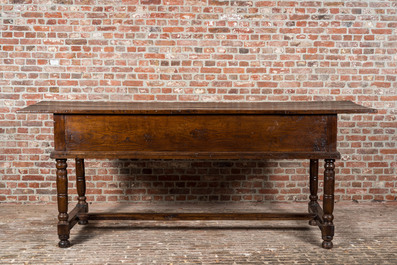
[{"x": 366, "y": 233}]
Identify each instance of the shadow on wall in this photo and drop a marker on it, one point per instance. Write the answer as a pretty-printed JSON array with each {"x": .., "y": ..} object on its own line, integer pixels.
[{"x": 196, "y": 180}]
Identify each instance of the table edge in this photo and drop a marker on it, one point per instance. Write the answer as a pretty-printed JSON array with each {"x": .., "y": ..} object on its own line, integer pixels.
[
  {"x": 192, "y": 155},
  {"x": 187, "y": 108}
]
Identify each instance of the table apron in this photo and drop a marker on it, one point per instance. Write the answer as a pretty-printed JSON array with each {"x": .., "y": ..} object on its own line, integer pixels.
[{"x": 195, "y": 134}]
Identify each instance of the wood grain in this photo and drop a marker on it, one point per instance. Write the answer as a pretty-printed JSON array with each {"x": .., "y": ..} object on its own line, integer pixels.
[{"x": 197, "y": 133}]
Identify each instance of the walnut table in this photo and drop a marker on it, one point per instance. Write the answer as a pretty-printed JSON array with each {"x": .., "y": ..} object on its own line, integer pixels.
[{"x": 195, "y": 130}]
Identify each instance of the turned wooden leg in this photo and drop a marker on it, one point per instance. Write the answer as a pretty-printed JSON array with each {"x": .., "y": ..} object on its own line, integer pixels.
[
  {"x": 62, "y": 196},
  {"x": 328, "y": 203},
  {"x": 80, "y": 184},
  {"x": 313, "y": 187}
]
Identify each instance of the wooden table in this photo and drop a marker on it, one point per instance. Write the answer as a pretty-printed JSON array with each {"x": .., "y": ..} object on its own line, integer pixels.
[{"x": 195, "y": 130}]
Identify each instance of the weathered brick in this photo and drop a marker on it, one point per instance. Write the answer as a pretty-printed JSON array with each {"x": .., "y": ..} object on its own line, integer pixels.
[
  {"x": 76, "y": 41},
  {"x": 219, "y": 30}
]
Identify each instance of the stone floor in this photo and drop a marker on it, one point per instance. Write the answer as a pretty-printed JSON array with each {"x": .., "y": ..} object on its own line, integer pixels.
[{"x": 366, "y": 233}]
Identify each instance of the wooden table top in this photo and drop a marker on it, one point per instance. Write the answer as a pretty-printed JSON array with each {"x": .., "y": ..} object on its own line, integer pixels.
[{"x": 96, "y": 107}]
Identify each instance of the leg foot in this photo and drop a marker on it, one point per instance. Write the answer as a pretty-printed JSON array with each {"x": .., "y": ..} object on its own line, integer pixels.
[
  {"x": 64, "y": 243},
  {"x": 327, "y": 244}
]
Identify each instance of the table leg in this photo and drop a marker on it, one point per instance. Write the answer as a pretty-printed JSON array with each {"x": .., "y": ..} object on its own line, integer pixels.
[
  {"x": 81, "y": 188},
  {"x": 313, "y": 187},
  {"x": 62, "y": 196},
  {"x": 328, "y": 203}
]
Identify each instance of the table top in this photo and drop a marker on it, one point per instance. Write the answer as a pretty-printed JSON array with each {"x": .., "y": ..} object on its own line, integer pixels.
[{"x": 159, "y": 107}]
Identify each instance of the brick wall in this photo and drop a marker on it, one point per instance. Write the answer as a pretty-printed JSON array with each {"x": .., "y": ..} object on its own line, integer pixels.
[{"x": 198, "y": 50}]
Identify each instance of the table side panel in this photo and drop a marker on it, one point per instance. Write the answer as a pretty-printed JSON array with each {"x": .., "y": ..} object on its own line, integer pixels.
[
  {"x": 197, "y": 133},
  {"x": 332, "y": 130},
  {"x": 59, "y": 132}
]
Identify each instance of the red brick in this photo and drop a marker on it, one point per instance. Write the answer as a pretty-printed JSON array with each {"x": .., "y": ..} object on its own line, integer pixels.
[
  {"x": 150, "y": 2},
  {"x": 53, "y": 14},
  {"x": 265, "y": 3},
  {"x": 143, "y": 97},
  {"x": 173, "y": 29},
  {"x": 378, "y": 164},
  {"x": 219, "y": 30}
]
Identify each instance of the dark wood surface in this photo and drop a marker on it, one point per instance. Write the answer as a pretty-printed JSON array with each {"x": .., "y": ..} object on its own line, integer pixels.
[
  {"x": 199, "y": 216},
  {"x": 62, "y": 198},
  {"x": 313, "y": 187},
  {"x": 327, "y": 228},
  {"x": 195, "y": 136},
  {"x": 187, "y": 130},
  {"x": 197, "y": 133},
  {"x": 192, "y": 155},
  {"x": 92, "y": 107}
]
